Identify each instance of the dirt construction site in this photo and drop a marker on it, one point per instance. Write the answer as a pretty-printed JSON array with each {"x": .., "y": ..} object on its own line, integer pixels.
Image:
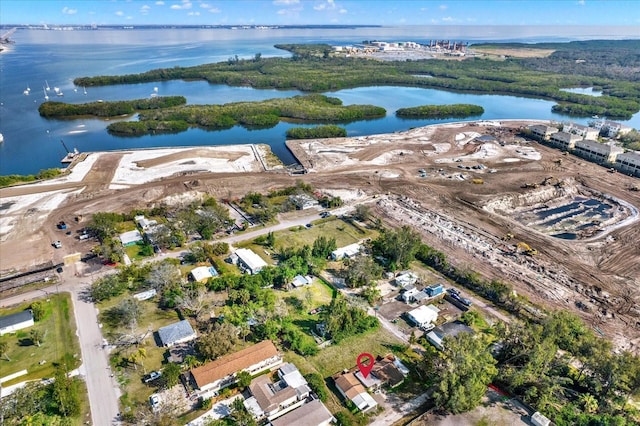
[{"x": 562, "y": 231}]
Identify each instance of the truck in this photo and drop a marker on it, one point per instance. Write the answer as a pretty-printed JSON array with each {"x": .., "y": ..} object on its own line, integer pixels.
[{"x": 61, "y": 225}]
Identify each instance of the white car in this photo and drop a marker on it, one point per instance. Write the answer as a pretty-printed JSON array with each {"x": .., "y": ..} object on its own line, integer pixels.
[
  {"x": 57, "y": 244},
  {"x": 154, "y": 400}
]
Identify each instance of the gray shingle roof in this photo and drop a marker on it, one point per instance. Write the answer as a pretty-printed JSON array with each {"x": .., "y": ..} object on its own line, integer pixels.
[
  {"x": 17, "y": 318},
  {"x": 175, "y": 332}
]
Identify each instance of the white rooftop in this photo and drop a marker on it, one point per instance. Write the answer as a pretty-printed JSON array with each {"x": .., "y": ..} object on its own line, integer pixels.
[
  {"x": 249, "y": 258},
  {"x": 423, "y": 314},
  {"x": 203, "y": 272},
  {"x": 130, "y": 237}
]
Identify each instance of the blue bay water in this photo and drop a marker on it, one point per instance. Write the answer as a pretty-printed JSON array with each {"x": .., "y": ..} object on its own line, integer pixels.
[{"x": 55, "y": 58}]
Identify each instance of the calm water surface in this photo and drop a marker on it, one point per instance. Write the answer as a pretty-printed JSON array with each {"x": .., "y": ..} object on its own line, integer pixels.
[{"x": 55, "y": 58}]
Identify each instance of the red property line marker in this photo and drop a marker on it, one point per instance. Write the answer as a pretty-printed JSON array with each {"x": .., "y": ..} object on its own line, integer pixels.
[{"x": 365, "y": 369}]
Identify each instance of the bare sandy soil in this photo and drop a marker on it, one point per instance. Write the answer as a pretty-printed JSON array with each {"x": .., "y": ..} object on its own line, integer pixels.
[{"x": 424, "y": 178}]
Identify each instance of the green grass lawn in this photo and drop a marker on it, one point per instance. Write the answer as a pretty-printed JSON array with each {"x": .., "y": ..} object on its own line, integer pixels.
[{"x": 59, "y": 330}]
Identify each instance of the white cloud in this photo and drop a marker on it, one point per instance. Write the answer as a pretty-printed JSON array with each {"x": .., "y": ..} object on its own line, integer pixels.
[
  {"x": 196, "y": 13},
  {"x": 67, "y": 11},
  {"x": 145, "y": 9},
  {"x": 160, "y": 3},
  {"x": 176, "y": 7},
  {"x": 120, "y": 13},
  {"x": 448, "y": 19},
  {"x": 186, "y": 4},
  {"x": 581, "y": 2},
  {"x": 129, "y": 17},
  {"x": 443, "y": 7},
  {"x": 328, "y": 5},
  {"x": 343, "y": 11},
  {"x": 285, "y": 2},
  {"x": 214, "y": 10},
  {"x": 205, "y": 6}
]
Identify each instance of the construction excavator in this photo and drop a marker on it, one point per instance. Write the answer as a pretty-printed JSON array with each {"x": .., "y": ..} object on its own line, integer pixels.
[{"x": 526, "y": 249}]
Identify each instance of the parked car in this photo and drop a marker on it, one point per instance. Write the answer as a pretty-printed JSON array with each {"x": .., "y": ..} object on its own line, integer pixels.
[
  {"x": 154, "y": 400},
  {"x": 427, "y": 327},
  {"x": 154, "y": 375},
  {"x": 57, "y": 244}
]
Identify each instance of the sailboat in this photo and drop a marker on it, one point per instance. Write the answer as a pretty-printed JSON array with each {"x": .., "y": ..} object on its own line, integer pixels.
[
  {"x": 47, "y": 88},
  {"x": 46, "y": 97},
  {"x": 27, "y": 91},
  {"x": 85, "y": 90}
]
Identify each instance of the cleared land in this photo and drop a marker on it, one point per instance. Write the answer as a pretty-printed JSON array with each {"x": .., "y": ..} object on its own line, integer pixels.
[
  {"x": 424, "y": 178},
  {"x": 513, "y": 52}
]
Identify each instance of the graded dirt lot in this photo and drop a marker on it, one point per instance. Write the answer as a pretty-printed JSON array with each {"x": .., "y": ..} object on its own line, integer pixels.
[{"x": 461, "y": 185}]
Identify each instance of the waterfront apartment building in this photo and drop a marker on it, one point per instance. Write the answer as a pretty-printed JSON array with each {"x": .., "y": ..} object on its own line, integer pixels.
[
  {"x": 585, "y": 132},
  {"x": 564, "y": 140},
  {"x": 629, "y": 163},
  {"x": 542, "y": 131},
  {"x": 597, "y": 152},
  {"x": 610, "y": 129}
]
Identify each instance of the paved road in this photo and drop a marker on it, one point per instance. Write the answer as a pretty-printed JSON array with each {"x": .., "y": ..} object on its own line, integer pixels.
[{"x": 102, "y": 389}]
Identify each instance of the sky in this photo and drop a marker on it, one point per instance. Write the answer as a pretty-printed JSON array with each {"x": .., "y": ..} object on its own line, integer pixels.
[{"x": 321, "y": 12}]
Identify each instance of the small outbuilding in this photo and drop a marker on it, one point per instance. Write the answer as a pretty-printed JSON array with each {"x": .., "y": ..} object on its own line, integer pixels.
[
  {"x": 179, "y": 332},
  {"x": 14, "y": 322}
]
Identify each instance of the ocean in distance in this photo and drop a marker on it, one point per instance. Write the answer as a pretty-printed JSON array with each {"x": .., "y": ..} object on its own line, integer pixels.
[{"x": 41, "y": 57}]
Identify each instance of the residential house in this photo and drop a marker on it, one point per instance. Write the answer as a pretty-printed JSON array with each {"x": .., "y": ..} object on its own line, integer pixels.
[
  {"x": 312, "y": 413},
  {"x": 203, "y": 273},
  {"x": 629, "y": 163},
  {"x": 300, "y": 281},
  {"x": 420, "y": 296},
  {"x": 542, "y": 131},
  {"x": 130, "y": 238},
  {"x": 14, "y": 322},
  {"x": 434, "y": 290},
  {"x": 352, "y": 390},
  {"x": 348, "y": 251},
  {"x": 176, "y": 333},
  {"x": 220, "y": 373},
  {"x": 450, "y": 329},
  {"x": 406, "y": 278},
  {"x": 597, "y": 152},
  {"x": 538, "y": 419},
  {"x": 407, "y": 295},
  {"x": 303, "y": 201},
  {"x": 144, "y": 223},
  {"x": 249, "y": 261},
  {"x": 271, "y": 400},
  {"x": 423, "y": 315},
  {"x": 564, "y": 140},
  {"x": 387, "y": 371}
]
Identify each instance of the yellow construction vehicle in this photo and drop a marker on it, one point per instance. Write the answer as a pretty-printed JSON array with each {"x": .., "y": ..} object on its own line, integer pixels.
[
  {"x": 507, "y": 237},
  {"x": 526, "y": 249}
]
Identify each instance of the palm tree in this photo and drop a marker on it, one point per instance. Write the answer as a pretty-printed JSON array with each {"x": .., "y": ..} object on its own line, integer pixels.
[
  {"x": 589, "y": 402},
  {"x": 191, "y": 361},
  {"x": 138, "y": 356}
]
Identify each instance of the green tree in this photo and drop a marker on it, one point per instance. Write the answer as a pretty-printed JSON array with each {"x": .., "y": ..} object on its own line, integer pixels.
[
  {"x": 4, "y": 350},
  {"x": 137, "y": 357},
  {"x": 239, "y": 414},
  {"x": 244, "y": 379},
  {"x": 171, "y": 374},
  {"x": 464, "y": 370},
  {"x": 66, "y": 394},
  {"x": 217, "y": 341},
  {"x": 399, "y": 247},
  {"x": 361, "y": 271},
  {"x": 317, "y": 385},
  {"x": 38, "y": 311},
  {"x": 37, "y": 336}
]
